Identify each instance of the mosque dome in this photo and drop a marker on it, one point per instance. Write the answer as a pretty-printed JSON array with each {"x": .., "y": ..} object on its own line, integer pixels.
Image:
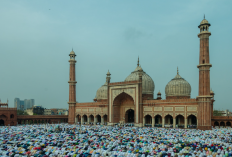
[
  {"x": 178, "y": 87},
  {"x": 102, "y": 92},
  {"x": 148, "y": 85}
]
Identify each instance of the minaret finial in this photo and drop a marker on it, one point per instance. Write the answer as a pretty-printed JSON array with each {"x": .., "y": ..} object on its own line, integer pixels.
[
  {"x": 138, "y": 62},
  {"x": 177, "y": 71},
  {"x": 72, "y": 48},
  {"x": 204, "y": 16}
]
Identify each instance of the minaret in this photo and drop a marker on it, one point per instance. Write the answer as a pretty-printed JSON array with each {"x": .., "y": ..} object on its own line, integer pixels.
[
  {"x": 204, "y": 98},
  {"x": 72, "y": 88}
]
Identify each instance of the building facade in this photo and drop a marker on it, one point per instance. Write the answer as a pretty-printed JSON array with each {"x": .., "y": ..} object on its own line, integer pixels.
[
  {"x": 132, "y": 101},
  {"x": 8, "y": 116}
]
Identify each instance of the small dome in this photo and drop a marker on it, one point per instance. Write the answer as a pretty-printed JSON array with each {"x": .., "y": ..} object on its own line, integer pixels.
[
  {"x": 178, "y": 87},
  {"x": 148, "y": 85},
  {"x": 204, "y": 21},
  {"x": 159, "y": 93},
  {"x": 72, "y": 53},
  {"x": 102, "y": 92},
  {"x": 108, "y": 73}
]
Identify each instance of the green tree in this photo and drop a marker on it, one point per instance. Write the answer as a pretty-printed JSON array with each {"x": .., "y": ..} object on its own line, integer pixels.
[
  {"x": 20, "y": 112},
  {"x": 217, "y": 113}
]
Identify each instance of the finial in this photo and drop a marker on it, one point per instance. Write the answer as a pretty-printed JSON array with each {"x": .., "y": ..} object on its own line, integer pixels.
[
  {"x": 72, "y": 48},
  {"x": 204, "y": 16},
  {"x": 177, "y": 71},
  {"x": 138, "y": 62},
  {"x": 108, "y": 73}
]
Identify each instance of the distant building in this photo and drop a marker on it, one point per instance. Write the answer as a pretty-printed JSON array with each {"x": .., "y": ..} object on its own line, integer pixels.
[
  {"x": 225, "y": 113},
  {"x": 29, "y": 103},
  {"x": 38, "y": 110},
  {"x": 56, "y": 111},
  {"x": 35, "y": 110},
  {"x": 62, "y": 112},
  {"x": 23, "y": 104},
  {"x": 47, "y": 111},
  {"x": 17, "y": 103},
  {"x": 29, "y": 111}
]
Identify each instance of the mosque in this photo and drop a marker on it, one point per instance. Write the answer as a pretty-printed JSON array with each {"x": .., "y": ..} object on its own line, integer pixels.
[{"x": 132, "y": 101}]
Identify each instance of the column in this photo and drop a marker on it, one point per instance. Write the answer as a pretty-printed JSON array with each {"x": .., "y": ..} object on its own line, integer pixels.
[
  {"x": 82, "y": 119},
  {"x": 163, "y": 122},
  {"x": 153, "y": 121},
  {"x": 185, "y": 123},
  {"x": 102, "y": 120},
  {"x": 143, "y": 121},
  {"x": 95, "y": 120},
  {"x": 174, "y": 122},
  {"x": 88, "y": 119}
]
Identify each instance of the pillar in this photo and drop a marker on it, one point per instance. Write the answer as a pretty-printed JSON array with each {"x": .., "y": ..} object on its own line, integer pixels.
[
  {"x": 95, "y": 120},
  {"x": 75, "y": 120},
  {"x": 82, "y": 119},
  {"x": 88, "y": 118},
  {"x": 143, "y": 121},
  {"x": 163, "y": 120},
  {"x": 102, "y": 120},
  {"x": 153, "y": 121},
  {"x": 190, "y": 121},
  {"x": 174, "y": 122},
  {"x": 185, "y": 122}
]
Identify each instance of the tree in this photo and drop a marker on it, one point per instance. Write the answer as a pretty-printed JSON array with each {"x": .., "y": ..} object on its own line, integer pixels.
[
  {"x": 20, "y": 112},
  {"x": 217, "y": 113}
]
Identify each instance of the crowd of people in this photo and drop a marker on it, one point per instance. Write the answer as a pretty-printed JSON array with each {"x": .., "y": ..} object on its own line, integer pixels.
[{"x": 64, "y": 140}]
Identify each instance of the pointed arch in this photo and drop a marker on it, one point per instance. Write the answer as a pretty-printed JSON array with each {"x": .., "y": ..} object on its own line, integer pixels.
[{"x": 120, "y": 105}]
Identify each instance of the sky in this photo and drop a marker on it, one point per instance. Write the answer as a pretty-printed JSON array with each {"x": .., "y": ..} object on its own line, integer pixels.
[{"x": 36, "y": 38}]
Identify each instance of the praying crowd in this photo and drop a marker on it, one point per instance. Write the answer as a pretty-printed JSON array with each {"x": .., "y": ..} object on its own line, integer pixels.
[{"x": 64, "y": 140}]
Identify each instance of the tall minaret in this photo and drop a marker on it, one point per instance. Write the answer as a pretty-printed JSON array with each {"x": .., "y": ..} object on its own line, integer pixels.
[
  {"x": 72, "y": 88},
  {"x": 204, "y": 98}
]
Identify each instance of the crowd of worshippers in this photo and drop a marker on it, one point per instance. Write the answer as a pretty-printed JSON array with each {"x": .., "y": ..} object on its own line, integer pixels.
[{"x": 64, "y": 140}]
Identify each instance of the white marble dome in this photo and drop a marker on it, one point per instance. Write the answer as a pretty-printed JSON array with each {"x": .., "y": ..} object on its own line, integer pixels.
[
  {"x": 102, "y": 92},
  {"x": 148, "y": 85},
  {"x": 178, "y": 87}
]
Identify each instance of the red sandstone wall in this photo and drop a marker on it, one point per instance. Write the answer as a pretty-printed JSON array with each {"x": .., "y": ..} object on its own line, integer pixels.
[{"x": 5, "y": 114}]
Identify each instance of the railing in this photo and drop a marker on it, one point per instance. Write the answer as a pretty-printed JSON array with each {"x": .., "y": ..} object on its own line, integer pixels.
[
  {"x": 129, "y": 124},
  {"x": 168, "y": 126},
  {"x": 158, "y": 125},
  {"x": 191, "y": 126},
  {"x": 7, "y": 108},
  {"x": 179, "y": 126},
  {"x": 148, "y": 125}
]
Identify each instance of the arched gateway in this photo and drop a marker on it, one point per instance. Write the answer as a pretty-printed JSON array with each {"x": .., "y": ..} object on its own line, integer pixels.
[
  {"x": 2, "y": 122},
  {"x": 123, "y": 108}
]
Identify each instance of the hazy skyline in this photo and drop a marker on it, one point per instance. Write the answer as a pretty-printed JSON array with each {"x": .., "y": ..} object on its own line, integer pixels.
[{"x": 37, "y": 37}]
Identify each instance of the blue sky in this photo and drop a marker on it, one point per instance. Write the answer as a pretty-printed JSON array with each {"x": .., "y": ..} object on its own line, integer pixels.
[{"x": 37, "y": 36}]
